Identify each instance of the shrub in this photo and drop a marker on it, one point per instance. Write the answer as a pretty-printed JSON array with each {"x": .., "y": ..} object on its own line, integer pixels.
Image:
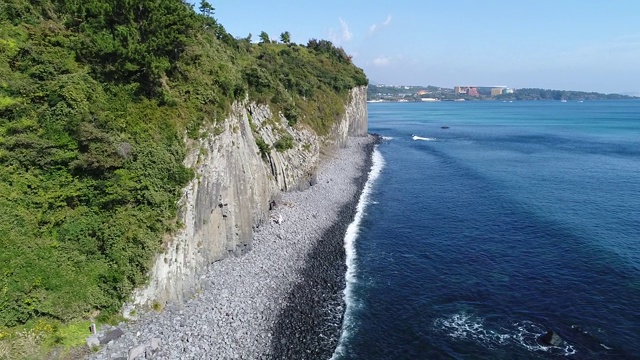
[
  {"x": 284, "y": 143},
  {"x": 263, "y": 147}
]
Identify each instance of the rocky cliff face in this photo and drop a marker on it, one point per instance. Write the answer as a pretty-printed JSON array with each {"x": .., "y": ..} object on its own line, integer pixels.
[{"x": 234, "y": 184}]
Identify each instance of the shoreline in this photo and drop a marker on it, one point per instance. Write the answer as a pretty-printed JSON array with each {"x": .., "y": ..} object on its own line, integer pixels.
[
  {"x": 283, "y": 299},
  {"x": 311, "y": 323}
]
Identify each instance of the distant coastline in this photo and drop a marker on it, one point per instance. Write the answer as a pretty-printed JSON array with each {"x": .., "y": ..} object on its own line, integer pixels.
[{"x": 395, "y": 93}]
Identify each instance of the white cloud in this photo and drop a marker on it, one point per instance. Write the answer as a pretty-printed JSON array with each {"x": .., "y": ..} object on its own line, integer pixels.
[
  {"x": 387, "y": 21},
  {"x": 377, "y": 27},
  {"x": 381, "y": 61},
  {"x": 346, "y": 33}
]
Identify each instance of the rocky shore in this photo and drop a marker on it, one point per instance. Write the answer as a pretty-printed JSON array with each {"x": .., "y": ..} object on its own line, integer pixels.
[{"x": 282, "y": 300}]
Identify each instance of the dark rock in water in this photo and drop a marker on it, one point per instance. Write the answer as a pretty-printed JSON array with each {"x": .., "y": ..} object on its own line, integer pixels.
[
  {"x": 444, "y": 127},
  {"x": 551, "y": 339}
]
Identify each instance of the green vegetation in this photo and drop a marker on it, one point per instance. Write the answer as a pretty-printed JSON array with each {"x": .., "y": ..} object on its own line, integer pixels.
[
  {"x": 544, "y": 94},
  {"x": 285, "y": 37},
  {"x": 312, "y": 80},
  {"x": 284, "y": 143},
  {"x": 262, "y": 146},
  {"x": 95, "y": 99},
  {"x": 264, "y": 38},
  {"x": 416, "y": 93},
  {"x": 33, "y": 341}
]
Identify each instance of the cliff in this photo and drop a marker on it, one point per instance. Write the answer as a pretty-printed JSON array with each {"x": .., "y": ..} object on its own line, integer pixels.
[
  {"x": 117, "y": 146},
  {"x": 230, "y": 195}
]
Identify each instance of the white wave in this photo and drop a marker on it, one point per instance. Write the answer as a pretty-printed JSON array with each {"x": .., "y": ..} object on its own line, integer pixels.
[
  {"x": 416, "y": 137},
  {"x": 525, "y": 334},
  {"x": 463, "y": 326},
  {"x": 387, "y": 138},
  {"x": 350, "y": 238}
]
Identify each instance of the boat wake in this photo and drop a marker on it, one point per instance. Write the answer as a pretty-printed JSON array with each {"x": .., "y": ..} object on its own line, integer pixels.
[
  {"x": 416, "y": 137},
  {"x": 351, "y": 301}
]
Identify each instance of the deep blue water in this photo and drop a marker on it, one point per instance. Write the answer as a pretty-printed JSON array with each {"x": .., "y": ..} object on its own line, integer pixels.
[{"x": 521, "y": 217}]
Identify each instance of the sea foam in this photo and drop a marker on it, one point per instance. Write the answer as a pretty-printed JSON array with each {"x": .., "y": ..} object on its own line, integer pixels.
[
  {"x": 466, "y": 327},
  {"x": 350, "y": 249}
]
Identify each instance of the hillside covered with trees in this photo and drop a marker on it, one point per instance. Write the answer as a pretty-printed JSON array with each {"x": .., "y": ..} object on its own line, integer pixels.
[
  {"x": 96, "y": 98},
  {"x": 546, "y": 94}
]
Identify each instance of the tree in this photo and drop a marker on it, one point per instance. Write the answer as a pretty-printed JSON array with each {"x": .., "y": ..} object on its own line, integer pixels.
[
  {"x": 207, "y": 15},
  {"x": 206, "y": 9},
  {"x": 264, "y": 38},
  {"x": 285, "y": 37},
  {"x": 141, "y": 41}
]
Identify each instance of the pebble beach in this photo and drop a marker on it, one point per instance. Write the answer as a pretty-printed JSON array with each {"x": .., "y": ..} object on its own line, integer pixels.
[{"x": 283, "y": 299}]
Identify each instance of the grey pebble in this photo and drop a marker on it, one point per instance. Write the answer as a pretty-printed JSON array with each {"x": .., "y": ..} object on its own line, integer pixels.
[{"x": 236, "y": 313}]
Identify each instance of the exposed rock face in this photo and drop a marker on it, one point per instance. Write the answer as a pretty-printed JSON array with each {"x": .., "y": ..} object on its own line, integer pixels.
[
  {"x": 356, "y": 115},
  {"x": 233, "y": 187}
]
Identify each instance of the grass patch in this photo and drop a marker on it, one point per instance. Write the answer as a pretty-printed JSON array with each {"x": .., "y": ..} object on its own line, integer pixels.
[
  {"x": 36, "y": 339},
  {"x": 69, "y": 335},
  {"x": 156, "y": 306}
]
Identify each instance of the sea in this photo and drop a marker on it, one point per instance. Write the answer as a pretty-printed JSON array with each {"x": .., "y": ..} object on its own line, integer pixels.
[{"x": 486, "y": 224}]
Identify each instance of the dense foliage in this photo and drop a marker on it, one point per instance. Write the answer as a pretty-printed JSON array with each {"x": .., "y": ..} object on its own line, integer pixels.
[{"x": 95, "y": 99}]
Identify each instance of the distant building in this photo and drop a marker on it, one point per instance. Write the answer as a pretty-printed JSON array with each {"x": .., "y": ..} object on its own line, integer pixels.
[
  {"x": 496, "y": 91},
  {"x": 422, "y": 92},
  {"x": 508, "y": 91},
  {"x": 468, "y": 90}
]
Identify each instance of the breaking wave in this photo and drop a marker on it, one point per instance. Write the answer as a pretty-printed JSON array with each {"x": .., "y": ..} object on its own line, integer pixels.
[
  {"x": 524, "y": 334},
  {"x": 351, "y": 235}
]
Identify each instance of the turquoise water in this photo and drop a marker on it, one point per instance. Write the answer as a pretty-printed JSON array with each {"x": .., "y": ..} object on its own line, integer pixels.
[{"x": 519, "y": 218}]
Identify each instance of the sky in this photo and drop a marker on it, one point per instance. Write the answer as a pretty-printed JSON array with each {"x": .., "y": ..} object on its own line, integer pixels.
[{"x": 587, "y": 45}]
